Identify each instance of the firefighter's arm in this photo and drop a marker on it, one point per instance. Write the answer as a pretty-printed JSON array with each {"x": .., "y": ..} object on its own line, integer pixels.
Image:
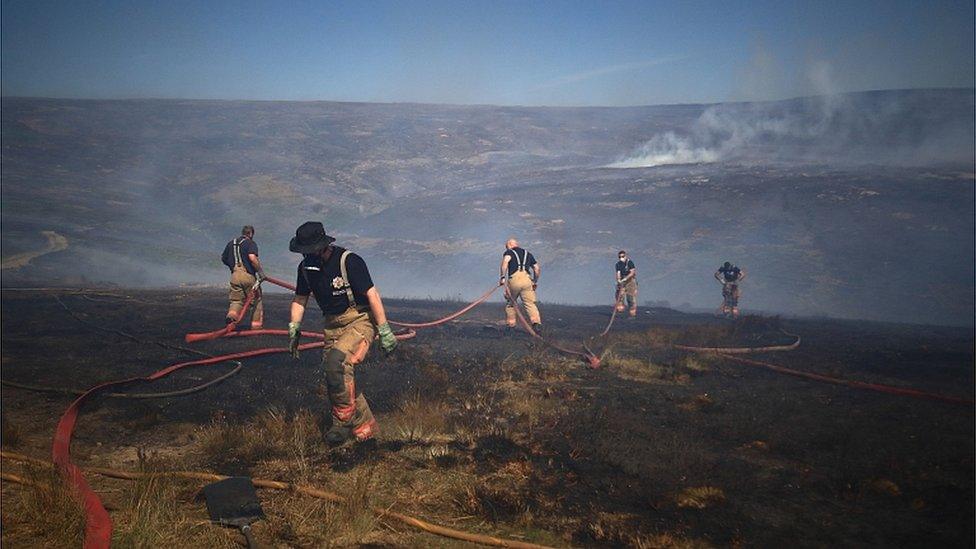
[
  {"x": 503, "y": 270},
  {"x": 257, "y": 263},
  {"x": 742, "y": 275},
  {"x": 538, "y": 272},
  {"x": 295, "y": 325},
  {"x": 298, "y": 308},
  {"x": 387, "y": 340},
  {"x": 376, "y": 306},
  {"x": 718, "y": 277},
  {"x": 631, "y": 274}
]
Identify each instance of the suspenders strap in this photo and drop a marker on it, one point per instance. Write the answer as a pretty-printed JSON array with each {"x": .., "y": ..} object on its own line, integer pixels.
[
  {"x": 237, "y": 251},
  {"x": 345, "y": 277},
  {"x": 521, "y": 260}
]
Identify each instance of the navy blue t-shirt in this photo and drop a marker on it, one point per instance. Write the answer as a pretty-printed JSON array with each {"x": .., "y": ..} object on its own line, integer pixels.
[
  {"x": 731, "y": 274},
  {"x": 518, "y": 255},
  {"x": 324, "y": 280},
  {"x": 246, "y": 246},
  {"x": 625, "y": 268}
]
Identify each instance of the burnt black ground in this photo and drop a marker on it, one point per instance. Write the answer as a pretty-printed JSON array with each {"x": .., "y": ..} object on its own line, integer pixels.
[{"x": 608, "y": 447}]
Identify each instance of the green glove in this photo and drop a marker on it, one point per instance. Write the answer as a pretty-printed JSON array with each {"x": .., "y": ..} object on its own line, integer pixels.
[
  {"x": 294, "y": 334},
  {"x": 388, "y": 341}
]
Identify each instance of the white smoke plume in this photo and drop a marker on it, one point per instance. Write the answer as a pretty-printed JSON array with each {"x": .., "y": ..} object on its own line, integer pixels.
[
  {"x": 870, "y": 128},
  {"x": 667, "y": 148}
]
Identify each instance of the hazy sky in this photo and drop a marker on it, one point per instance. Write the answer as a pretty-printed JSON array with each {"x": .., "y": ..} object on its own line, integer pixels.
[{"x": 525, "y": 52}]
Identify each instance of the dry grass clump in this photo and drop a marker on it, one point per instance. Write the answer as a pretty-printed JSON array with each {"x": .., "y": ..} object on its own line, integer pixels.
[
  {"x": 160, "y": 511},
  {"x": 655, "y": 338},
  {"x": 622, "y": 530},
  {"x": 698, "y": 403},
  {"x": 527, "y": 407},
  {"x": 700, "y": 497},
  {"x": 501, "y": 495},
  {"x": 696, "y": 364},
  {"x": 306, "y": 522},
  {"x": 419, "y": 418},
  {"x": 539, "y": 365},
  {"x": 43, "y": 513},
  {"x": 271, "y": 435},
  {"x": 635, "y": 369}
]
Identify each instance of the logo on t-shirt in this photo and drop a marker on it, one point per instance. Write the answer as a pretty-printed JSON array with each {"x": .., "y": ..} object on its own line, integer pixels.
[{"x": 338, "y": 283}]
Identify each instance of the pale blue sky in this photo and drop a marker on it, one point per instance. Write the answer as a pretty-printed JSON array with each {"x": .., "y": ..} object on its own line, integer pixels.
[{"x": 528, "y": 53}]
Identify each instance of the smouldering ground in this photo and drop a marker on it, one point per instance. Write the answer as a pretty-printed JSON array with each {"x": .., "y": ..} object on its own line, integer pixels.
[{"x": 488, "y": 432}]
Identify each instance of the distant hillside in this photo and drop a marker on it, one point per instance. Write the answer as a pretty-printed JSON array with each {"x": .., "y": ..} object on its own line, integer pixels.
[{"x": 858, "y": 205}]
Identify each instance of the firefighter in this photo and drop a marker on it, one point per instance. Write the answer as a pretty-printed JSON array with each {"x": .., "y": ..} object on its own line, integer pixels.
[
  {"x": 729, "y": 276},
  {"x": 516, "y": 265},
  {"x": 241, "y": 257},
  {"x": 626, "y": 273},
  {"x": 354, "y": 315}
]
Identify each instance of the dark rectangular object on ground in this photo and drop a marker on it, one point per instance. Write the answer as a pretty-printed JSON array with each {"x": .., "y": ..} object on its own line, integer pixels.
[{"x": 233, "y": 502}]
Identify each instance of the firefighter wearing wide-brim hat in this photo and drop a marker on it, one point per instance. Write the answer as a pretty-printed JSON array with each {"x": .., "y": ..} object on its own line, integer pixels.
[
  {"x": 730, "y": 276},
  {"x": 354, "y": 315}
]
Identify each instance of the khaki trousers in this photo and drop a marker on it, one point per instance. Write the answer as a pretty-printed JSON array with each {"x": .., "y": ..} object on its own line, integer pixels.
[
  {"x": 520, "y": 286},
  {"x": 627, "y": 297},
  {"x": 241, "y": 283},
  {"x": 350, "y": 333}
]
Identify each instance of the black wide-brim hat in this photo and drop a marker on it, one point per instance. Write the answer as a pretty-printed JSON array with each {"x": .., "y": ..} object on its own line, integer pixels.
[{"x": 310, "y": 238}]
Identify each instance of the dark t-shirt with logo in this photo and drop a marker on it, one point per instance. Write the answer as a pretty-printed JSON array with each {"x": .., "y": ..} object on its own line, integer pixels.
[
  {"x": 324, "y": 280},
  {"x": 247, "y": 246},
  {"x": 625, "y": 268},
  {"x": 731, "y": 274},
  {"x": 519, "y": 255}
]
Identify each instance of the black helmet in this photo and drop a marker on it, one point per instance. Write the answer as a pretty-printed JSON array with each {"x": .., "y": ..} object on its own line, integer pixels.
[{"x": 727, "y": 265}]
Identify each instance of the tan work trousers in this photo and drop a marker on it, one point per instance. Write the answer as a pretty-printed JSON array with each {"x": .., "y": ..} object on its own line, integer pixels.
[
  {"x": 627, "y": 296},
  {"x": 520, "y": 286},
  {"x": 730, "y": 295},
  {"x": 241, "y": 283},
  {"x": 351, "y": 333}
]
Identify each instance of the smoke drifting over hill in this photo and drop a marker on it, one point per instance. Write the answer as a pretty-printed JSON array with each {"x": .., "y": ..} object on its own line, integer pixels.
[
  {"x": 818, "y": 198},
  {"x": 904, "y": 128}
]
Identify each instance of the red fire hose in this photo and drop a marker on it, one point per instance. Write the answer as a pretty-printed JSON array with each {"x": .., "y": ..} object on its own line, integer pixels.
[
  {"x": 230, "y": 327},
  {"x": 890, "y": 389},
  {"x": 613, "y": 315},
  {"x": 98, "y": 524},
  {"x": 450, "y": 317},
  {"x": 729, "y": 353},
  {"x": 585, "y": 354}
]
